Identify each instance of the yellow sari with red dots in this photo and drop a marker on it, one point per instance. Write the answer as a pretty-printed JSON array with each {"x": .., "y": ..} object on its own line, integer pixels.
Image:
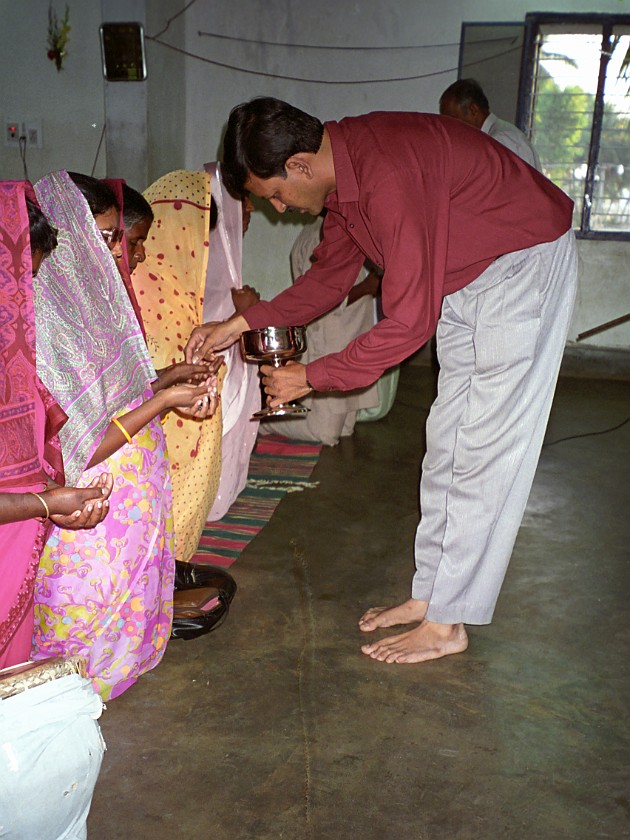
[{"x": 169, "y": 287}]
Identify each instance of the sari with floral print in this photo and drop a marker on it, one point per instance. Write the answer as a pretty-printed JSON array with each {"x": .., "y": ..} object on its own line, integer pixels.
[{"x": 105, "y": 594}]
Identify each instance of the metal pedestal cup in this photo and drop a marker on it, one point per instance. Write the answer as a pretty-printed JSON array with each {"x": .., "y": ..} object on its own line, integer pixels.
[{"x": 276, "y": 346}]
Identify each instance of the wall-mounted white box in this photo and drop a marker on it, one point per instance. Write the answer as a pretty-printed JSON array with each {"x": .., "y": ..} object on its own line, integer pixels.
[
  {"x": 30, "y": 129},
  {"x": 33, "y": 133}
]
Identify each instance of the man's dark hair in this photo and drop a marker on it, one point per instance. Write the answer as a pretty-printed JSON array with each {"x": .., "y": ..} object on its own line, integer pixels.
[
  {"x": 261, "y": 136},
  {"x": 42, "y": 234},
  {"x": 98, "y": 195},
  {"x": 466, "y": 92},
  {"x": 136, "y": 208}
]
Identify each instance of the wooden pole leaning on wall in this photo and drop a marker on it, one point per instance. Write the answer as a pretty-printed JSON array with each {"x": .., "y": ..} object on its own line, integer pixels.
[{"x": 602, "y": 327}]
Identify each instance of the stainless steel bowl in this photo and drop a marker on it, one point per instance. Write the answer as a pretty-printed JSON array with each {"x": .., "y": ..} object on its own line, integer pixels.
[{"x": 273, "y": 343}]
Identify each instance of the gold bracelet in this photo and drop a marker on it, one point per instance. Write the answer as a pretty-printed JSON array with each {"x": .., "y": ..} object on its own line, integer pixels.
[
  {"x": 43, "y": 501},
  {"x": 122, "y": 429}
]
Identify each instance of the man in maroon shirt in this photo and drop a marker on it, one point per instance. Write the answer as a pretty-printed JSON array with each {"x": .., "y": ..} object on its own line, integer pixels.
[{"x": 474, "y": 244}]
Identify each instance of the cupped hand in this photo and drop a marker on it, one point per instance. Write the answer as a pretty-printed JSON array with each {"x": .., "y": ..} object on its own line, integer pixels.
[
  {"x": 205, "y": 407},
  {"x": 183, "y": 372},
  {"x": 194, "y": 400},
  {"x": 76, "y": 508}
]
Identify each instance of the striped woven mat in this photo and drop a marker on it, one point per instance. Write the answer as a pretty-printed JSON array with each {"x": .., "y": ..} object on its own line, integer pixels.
[{"x": 278, "y": 466}]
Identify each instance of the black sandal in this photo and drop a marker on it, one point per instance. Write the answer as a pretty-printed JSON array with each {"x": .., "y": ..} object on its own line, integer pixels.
[
  {"x": 192, "y": 575},
  {"x": 197, "y": 585}
]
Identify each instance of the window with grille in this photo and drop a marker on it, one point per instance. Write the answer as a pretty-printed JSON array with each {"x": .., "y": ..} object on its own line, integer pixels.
[{"x": 576, "y": 96}]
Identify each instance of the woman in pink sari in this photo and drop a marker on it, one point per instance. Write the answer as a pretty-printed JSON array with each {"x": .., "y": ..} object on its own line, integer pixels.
[
  {"x": 31, "y": 470},
  {"x": 106, "y": 595}
]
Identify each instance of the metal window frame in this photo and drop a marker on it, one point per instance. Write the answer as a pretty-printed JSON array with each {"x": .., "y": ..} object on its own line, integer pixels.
[{"x": 526, "y": 98}]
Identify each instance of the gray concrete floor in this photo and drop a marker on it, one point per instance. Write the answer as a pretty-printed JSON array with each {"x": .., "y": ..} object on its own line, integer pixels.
[{"x": 276, "y": 726}]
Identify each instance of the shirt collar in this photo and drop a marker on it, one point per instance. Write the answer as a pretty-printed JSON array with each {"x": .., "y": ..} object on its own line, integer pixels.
[
  {"x": 347, "y": 187},
  {"x": 488, "y": 123}
]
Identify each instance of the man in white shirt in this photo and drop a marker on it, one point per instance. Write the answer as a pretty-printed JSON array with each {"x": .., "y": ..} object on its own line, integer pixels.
[{"x": 465, "y": 100}]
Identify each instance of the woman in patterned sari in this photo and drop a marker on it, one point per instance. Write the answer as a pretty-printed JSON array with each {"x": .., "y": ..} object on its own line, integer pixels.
[
  {"x": 169, "y": 288},
  {"x": 31, "y": 470},
  {"x": 107, "y": 594}
]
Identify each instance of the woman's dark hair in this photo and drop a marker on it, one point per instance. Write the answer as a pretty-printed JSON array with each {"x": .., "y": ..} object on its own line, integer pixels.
[
  {"x": 98, "y": 195},
  {"x": 466, "y": 92},
  {"x": 214, "y": 213},
  {"x": 136, "y": 208},
  {"x": 261, "y": 136},
  {"x": 43, "y": 235}
]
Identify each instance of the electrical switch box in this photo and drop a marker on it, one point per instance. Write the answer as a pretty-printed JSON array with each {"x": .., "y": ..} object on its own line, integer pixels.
[{"x": 12, "y": 132}]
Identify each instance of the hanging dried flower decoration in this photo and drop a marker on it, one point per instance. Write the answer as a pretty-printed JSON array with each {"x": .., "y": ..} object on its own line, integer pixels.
[{"x": 58, "y": 36}]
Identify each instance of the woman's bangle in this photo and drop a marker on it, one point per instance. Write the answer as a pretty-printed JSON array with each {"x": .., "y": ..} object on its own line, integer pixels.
[
  {"x": 43, "y": 501},
  {"x": 117, "y": 422}
]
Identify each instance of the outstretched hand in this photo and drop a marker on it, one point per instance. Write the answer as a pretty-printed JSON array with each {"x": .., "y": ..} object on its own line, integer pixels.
[
  {"x": 198, "y": 401},
  {"x": 206, "y": 339},
  {"x": 79, "y": 508},
  {"x": 184, "y": 372}
]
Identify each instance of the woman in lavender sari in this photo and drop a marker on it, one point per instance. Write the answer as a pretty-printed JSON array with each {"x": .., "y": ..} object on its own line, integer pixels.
[{"x": 104, "y": 594}]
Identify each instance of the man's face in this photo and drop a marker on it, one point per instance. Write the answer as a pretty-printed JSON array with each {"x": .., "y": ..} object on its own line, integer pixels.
[{"x": 297, "y": 191}]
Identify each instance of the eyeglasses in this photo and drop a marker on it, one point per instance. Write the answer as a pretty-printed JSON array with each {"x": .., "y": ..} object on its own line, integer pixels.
[{"x": 112, "y": 237}]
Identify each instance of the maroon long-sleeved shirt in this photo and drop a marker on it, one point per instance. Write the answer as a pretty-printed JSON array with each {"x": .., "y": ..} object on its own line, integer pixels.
[{"x": 433, "y": 202}]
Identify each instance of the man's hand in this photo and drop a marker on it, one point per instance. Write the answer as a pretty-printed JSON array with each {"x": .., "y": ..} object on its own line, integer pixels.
[
  {"x": 215, "y": 335},
  {"x": 244, "y": 298},
  {"x": 284, "y": 384}
]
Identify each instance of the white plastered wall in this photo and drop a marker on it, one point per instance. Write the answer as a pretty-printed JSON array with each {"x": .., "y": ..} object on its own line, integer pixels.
[
  {"x": 188, "y": 100},
  {"x": 70, "y": 103},
  {"x": 212, "y": 91}
]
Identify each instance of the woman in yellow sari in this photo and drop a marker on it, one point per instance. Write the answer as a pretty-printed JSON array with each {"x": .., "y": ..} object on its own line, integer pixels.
[{"x": 169, "y": 286}]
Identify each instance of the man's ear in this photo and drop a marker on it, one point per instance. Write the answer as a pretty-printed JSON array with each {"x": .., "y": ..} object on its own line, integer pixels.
[
  {"x": 300, "y": 165},
  {"x": 476, "y": 113}
]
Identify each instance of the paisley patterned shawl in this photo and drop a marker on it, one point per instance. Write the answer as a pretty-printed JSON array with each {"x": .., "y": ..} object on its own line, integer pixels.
[
  {"x": 90, "y": 351},
  {"x": 20, "y": 463}
]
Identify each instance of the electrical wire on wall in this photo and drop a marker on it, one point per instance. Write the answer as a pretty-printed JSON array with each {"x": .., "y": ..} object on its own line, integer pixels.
[
  {"x": 98, "y": 150},
  {"x": 514, "y": 46},
  {"x": 22, "y": 148},
  {"x": 331, "y": 81}
]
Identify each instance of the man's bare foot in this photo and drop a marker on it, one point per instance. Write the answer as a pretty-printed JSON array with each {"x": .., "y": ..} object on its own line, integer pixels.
[
  {"x": 408, "y": 613},
  {"x": 428, "y": 641}
]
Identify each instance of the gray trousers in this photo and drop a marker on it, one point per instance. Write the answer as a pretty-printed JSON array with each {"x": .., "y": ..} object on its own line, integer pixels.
[{"x": 500, "y": 342}]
